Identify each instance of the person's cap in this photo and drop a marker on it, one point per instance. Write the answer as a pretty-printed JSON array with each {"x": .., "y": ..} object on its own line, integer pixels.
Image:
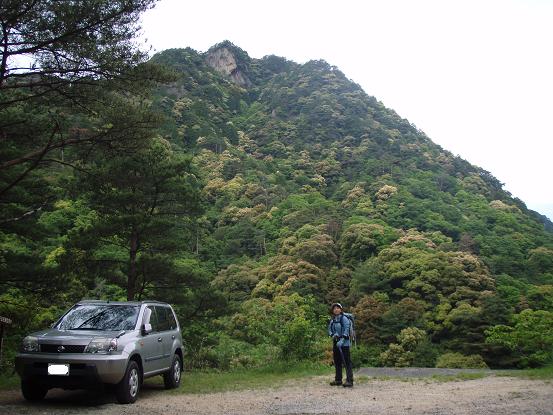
[{"x": 336, "y": 305}]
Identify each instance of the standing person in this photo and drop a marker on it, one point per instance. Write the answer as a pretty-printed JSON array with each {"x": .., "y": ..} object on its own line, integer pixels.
[{"x": 339, "y": 329}]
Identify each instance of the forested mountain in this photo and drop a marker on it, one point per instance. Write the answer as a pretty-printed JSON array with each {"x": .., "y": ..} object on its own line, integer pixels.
[{"x": 268, "y": 190}]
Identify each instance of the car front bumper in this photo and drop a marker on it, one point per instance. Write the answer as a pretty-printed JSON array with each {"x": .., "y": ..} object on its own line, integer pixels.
[{"x": 85, "y": 370}]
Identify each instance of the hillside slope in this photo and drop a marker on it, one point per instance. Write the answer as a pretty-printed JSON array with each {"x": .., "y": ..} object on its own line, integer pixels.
[
  {"x": 308, "y": 129},
  {"x": 314, "y": 188}
]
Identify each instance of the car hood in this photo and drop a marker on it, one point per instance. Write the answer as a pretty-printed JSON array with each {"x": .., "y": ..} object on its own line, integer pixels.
[{"x": 71, "y": 336}]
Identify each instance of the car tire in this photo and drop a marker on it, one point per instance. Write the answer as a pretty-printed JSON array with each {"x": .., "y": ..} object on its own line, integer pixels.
[
  {"x": 127, "y": 390},
  {"x": 172, "y": 378},
  {"x": 33, "y": 391}
]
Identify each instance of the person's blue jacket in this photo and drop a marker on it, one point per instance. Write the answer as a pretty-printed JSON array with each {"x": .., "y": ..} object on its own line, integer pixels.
[{"x": 339, "y": 326}]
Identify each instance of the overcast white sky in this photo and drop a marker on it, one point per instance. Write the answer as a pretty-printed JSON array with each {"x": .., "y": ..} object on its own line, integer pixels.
[{"x": 476, "y": 76}]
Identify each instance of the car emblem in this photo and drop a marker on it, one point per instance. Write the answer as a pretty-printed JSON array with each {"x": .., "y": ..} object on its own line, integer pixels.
[{"x": 61, "y": 349}]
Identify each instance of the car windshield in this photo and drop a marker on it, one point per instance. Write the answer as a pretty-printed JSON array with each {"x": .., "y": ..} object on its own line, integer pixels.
[{"x": 100, "y": 317}]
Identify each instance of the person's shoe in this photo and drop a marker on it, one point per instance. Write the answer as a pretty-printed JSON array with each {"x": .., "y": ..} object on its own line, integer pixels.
[
  {"x": 348, "y": 384},
  {"x": 336, "y": 383}
]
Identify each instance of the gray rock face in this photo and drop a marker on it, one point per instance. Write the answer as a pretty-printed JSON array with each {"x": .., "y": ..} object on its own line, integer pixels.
[{"x": 224, "y": 62}]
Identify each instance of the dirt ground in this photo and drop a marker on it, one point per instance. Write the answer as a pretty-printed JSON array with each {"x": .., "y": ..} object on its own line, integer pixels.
[{"x": 489, "y": 395}]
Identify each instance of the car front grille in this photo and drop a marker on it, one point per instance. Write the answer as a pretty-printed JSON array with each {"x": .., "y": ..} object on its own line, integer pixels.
[{"x": 59, "y": 348}]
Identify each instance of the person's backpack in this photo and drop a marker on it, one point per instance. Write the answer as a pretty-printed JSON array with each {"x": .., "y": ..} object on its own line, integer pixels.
[{"x": 351, "y": 333}]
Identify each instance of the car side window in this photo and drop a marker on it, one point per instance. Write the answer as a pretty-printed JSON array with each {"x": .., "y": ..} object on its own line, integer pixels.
[{"x": 163, "y": 318}]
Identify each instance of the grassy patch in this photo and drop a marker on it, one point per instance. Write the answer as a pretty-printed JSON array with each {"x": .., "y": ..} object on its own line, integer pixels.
[
  {"x": 434, "y": 378},
  {"x": 8, "y": 381},
  {"x": 538, "y": 373},
  {"x": 219, "y": 381},
  {"x": 459, "y": 377},
  {"x": 239, "y": 379}
]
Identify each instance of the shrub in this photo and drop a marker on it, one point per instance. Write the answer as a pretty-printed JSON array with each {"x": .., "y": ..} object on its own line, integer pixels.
[
  {"x": 460, "y": 361},
  {"x": 530, "y": 337},
  {"x": 230, "y": 353},
  {"x": 365, "y": 355},
  {"x": 414, "y": 349},
  {"x": 425, "y": 354},
  {"x": 396, "y": 356}
]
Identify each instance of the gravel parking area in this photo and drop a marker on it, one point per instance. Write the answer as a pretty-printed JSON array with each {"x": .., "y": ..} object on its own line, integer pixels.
[{"x": 488, "y": 395}]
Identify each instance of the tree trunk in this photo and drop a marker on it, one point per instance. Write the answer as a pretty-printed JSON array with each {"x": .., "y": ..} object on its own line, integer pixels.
[
  {"x": 131, "y": 280},
  {"x": 197, "y": 241}
]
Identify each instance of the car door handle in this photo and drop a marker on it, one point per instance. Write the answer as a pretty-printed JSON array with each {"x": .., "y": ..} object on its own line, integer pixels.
[
  {"x": 173, "y": 337},
  {"x": 159, "y": 339}
]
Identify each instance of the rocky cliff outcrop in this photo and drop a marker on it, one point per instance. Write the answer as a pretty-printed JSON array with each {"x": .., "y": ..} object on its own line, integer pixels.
[{"x": 224, "y": 62}]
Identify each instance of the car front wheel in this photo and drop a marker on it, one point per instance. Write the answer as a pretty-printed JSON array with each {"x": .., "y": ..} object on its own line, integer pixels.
[
  {"x": 127, "y": 390},
  {"x": 171, "y": 379},
  {"x": 33, "y": 391}
]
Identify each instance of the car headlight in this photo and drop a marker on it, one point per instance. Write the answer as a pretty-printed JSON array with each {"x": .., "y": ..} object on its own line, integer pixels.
[
  {"x": 30, "y": 344},
  {"x": 101, "y": 345}
]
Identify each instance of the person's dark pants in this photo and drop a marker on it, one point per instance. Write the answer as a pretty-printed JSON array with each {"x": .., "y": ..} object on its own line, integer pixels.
[{"x": 340, "y": 360}]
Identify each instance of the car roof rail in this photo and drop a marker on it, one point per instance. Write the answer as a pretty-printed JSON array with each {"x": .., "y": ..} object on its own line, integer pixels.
[
  {"x": 93, "y": 301},
  {"x": 154, "y": 302},
  {"x": 122, "y": 302}
]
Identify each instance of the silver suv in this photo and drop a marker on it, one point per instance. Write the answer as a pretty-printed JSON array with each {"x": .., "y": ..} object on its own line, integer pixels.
[{"x": 102, "y": 342}]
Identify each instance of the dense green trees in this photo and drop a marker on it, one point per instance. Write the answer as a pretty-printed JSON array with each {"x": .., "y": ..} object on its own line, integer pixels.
[
  {"x": 144, "y": 204},
  {"x": 72, "y": 81},
  {"x": 529, "y": 338},
  {"x": 60, "y": 60},
  {"x": 251, "y": 206}
]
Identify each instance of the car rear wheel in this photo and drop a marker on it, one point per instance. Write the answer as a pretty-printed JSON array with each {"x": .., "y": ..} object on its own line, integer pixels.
[
  {"x": 33, "y": 391},
  {"x": 171, "y": 379},
  {"x": 127, "y": 390}
]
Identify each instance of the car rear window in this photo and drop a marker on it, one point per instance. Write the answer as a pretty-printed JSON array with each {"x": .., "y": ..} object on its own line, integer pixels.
[{"x": 100, "y": 317}]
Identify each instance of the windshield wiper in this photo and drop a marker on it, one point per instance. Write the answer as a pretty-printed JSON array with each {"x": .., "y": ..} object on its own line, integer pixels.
[
  {"x": 84, "y": 328},
  {"x": 91, "y": 318}
]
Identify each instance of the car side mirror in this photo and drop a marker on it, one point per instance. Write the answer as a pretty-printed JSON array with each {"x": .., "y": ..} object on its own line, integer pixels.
[{"x": 146, "y": 329}]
